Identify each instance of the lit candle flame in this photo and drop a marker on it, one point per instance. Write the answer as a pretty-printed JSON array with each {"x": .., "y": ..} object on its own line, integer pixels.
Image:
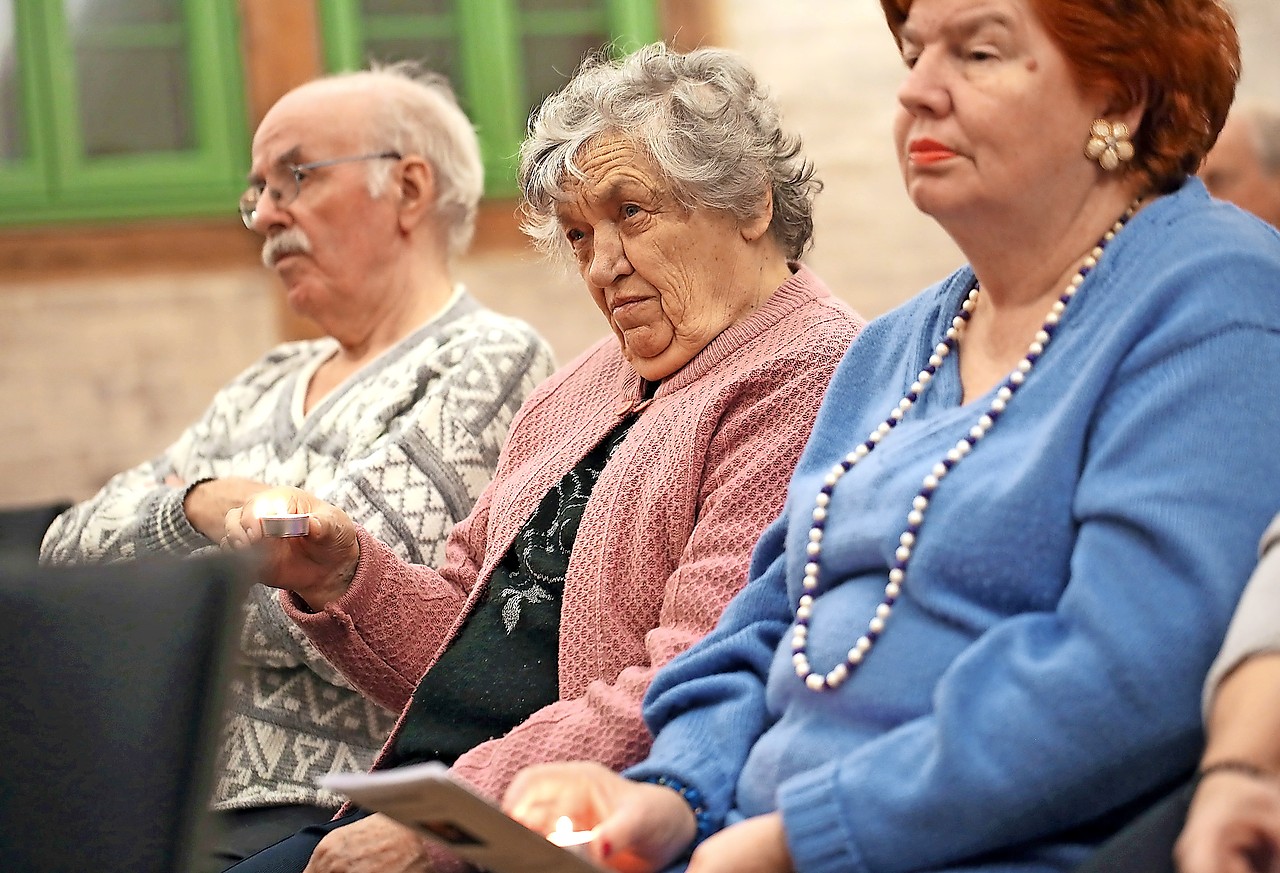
[
  {"x": 566, "y": 837},
  {"x": 266, "y": 507}
]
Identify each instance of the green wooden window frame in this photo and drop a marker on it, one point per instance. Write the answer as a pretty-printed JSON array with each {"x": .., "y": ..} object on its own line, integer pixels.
[
  {"x": 487, "y": 35},
  {"x": 55, "y": 179}
]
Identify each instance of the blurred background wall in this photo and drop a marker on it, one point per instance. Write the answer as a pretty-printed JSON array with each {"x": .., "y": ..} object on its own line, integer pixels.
[{"x": 129, "y": 293}]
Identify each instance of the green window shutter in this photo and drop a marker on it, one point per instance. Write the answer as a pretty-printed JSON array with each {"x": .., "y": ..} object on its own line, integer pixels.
[
  {"x": 23, "y": 145},
  {"x": 633, "y": 22},
  {"x": 502, "y": 56},
  {"x": 139, "y": 110}
]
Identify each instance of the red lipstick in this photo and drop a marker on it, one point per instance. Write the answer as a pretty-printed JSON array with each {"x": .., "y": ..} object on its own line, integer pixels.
[{"x": 928, "y": 151}]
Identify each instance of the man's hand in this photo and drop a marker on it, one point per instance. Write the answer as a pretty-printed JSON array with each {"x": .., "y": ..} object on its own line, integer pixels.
[
  {"x": 319, "y": 567},
  {"x": 1233, "y": 826},
  {"x": 1234, "y": 820},
  {"x": 207, "y": 504},
  {"x": 376, "y": 844}
]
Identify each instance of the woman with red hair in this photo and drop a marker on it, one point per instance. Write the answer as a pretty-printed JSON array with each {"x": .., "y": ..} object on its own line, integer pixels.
[{"x": 975, "y": 638}]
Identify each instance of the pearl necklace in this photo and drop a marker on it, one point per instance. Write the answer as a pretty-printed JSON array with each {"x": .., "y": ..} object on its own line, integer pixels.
[{"x": 814, "y": 680}]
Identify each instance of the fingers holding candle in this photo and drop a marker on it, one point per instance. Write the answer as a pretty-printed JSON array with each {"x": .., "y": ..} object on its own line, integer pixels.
[
  {"x": 310, "y": 546},
  {"x": 275, "y": 503},
  {"x": 235, "y": 535},
  {"x": 243, "y": 524},
  {"x": 275, "y": 513},
  {"x": 634, "y": 827},
  {"x": 541, "y": 795}
]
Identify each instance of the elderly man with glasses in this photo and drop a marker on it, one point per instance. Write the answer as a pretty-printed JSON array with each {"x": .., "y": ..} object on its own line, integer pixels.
[{"x": 365, "y": 187}]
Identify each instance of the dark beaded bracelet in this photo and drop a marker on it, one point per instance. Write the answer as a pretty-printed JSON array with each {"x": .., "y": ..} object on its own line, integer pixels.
[
  {"x": 692, "y": 796},
  {"x": 1230, "y": 765}
]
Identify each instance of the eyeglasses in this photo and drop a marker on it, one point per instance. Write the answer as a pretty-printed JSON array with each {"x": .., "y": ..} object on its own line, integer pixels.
[{"x": 287, "y": 192}]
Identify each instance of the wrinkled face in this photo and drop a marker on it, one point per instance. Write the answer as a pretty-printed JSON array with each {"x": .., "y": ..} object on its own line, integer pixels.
[
  {"x": 990, "y": 120},
  {"x": 664, "y": 276},
  {"x": 329, "y": 242},
  {"x": 1232, "y": 171}
]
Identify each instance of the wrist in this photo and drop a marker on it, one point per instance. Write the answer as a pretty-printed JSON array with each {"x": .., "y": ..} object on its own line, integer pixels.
[
  {"x": 186, "y": 500},
  {"x": 335, "y": 587},
  {"x": 704, "y": 826},
  {"x": 1237, "y": 766}
]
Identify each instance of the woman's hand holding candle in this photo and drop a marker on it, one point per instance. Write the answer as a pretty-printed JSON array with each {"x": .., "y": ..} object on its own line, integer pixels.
[
  {"x": 317, "y": 566},
  {"x": 635, "y": 827}
]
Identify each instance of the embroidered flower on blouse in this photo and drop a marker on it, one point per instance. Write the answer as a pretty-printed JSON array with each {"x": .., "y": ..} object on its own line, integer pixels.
[{"x": 515, "y": 598}]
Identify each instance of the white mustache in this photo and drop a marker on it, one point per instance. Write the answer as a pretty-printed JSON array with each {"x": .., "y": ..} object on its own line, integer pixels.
[{"x": 293, "y": 241}]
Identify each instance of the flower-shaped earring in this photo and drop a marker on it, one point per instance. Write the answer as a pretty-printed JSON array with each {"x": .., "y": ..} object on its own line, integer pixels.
[{"x": 1109, "y": 143}]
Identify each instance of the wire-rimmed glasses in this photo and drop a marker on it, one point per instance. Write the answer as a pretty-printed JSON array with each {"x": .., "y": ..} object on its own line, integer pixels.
[{"x": 288, "y": 191}]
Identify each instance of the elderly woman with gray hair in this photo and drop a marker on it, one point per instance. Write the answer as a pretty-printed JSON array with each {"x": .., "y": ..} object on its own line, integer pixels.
[{"x": 634, "y": 482}]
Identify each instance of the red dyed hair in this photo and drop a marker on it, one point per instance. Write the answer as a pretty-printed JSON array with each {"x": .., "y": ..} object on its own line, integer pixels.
[{"x": 1181, "y": 56}]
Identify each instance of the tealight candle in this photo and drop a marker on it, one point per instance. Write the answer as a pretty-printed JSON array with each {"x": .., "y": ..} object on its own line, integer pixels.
[
  {"x": 276, "y": 522},
  {"x": 566, "y": 837},
  {"x": 293, "y": 524}
]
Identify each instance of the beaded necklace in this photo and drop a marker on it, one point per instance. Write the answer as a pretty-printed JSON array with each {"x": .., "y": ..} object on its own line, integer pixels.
[{"x": 836, "y": 677}]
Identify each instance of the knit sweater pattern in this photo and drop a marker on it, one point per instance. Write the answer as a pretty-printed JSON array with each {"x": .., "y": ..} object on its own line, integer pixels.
[
  {"x": 663, "y": 542},
  {"x": 1072, "y": 580},
  {"x": 405, "y": 445}
]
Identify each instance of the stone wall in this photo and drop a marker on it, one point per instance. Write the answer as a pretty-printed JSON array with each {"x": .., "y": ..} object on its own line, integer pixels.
[
  {"x": 96, "y": 375},
  {"x": 99, "y": 373}
]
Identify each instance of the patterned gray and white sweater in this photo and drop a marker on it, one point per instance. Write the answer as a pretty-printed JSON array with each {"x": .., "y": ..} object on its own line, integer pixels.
[{"x": 404, "y": 446}]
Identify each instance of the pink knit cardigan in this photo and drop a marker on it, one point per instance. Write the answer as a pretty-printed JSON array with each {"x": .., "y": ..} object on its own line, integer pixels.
[{"x": 664, "y": 542}]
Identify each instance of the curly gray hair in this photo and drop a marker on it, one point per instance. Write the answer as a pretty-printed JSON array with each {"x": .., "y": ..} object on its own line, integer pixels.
[{"x": 704, "y": 120}]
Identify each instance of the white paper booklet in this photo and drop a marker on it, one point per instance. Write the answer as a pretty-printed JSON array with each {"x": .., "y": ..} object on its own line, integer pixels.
[{"x": 427, "y": 798}]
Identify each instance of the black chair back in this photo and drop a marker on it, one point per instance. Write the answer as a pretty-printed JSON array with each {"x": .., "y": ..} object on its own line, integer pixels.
[
  {"x": 22, "y": 530},
  {"x": 111, "y": 693}
]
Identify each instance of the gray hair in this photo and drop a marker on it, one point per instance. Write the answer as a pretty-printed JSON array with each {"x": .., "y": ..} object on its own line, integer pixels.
[
  {"x": 1263, "y": 121},
  {"x": 414, "y": 111},
  {"x": 703, "y": 119}
]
